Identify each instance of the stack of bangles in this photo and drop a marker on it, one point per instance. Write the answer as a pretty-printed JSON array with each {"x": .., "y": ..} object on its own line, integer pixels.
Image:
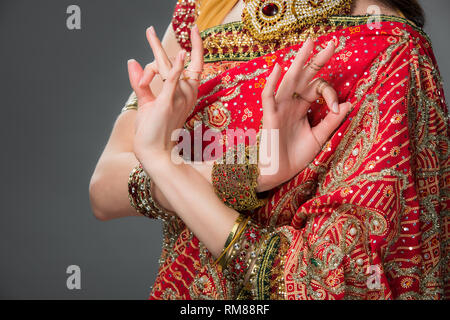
[
  {"x": 235, "y": 185},
  {"x": 242, "y": 248},
  {"x": 141, "y": 198},
  {"x": 131, "y": 104}
]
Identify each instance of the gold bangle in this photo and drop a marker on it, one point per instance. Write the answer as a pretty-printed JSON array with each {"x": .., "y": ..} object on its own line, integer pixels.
[
  {"x": 141, "y": 198},
  {"x": 132, "y": 103},
  {"x": 229, "y": 250},
  {"x": 130, "y": 107},
  {"x": 236, "y": 225},
  {"x": 233, "y": 231},
  {"x": 223, "y": 258}
]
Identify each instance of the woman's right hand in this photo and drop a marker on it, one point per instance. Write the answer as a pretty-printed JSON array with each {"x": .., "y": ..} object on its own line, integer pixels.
[
  {"x": 153, "y": 128},
  {"x": 286, "y": 111}
]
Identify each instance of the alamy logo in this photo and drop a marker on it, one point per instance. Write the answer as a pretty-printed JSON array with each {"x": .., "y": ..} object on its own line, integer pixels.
[
  {"x": 74, "y": 280},
  {"x": 374, "y": 278},
  {"x": 73, "y": 21},
  {"x": 374, "y": 21}
]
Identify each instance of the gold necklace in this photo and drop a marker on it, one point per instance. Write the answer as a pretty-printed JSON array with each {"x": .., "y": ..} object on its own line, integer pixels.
[{"x": 270, "y": 19}]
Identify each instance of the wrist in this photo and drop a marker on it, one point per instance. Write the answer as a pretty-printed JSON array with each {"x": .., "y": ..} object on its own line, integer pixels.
[
  {"x": 265, "y": 183},
  {"x": 155, "y": 162}
]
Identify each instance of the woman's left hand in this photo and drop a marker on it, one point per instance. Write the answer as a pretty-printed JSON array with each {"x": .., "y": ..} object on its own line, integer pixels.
[
  {"x": 158, "y": 117},
  {"x": 286, "y": 111}
]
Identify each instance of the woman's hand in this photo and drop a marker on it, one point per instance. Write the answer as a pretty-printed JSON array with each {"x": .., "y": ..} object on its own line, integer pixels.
[
  {"x": 287, "y": 111},
  {"x": 158, "y": 117}
]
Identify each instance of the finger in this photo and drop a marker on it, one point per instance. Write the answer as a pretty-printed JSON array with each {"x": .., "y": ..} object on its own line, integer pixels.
[
  {"x": 150, "y": 72},
  {"x": 292, "y": 76},
  {"x": 320, "y": 88},
  {"x": 196, "y": 65},
  {"x": 315, "y": 65},
  {"x": 135, "y": 72},
  {"x": 330, "y": 123},
  {"x": 268, "y": 94},
  {"x": 161, "y": 58},
  {"x": 170, "y": 85}
]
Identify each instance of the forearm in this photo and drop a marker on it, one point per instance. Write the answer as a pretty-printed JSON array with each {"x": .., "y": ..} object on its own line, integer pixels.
[
  {"x": 212, "y": 222},
  {"x": 108, "y": 186},
  {"x": 194, "y": 200}
]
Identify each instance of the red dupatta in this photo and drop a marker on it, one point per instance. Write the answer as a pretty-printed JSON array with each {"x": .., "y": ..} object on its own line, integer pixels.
[{"x": 369, "y": 217}]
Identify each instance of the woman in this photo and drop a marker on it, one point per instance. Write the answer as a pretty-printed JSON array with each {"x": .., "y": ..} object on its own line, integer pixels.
[{"x": 358, "y": 206}]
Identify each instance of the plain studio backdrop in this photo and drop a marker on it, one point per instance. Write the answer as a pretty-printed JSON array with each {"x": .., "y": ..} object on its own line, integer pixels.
[{"x": 61, "y": 91}]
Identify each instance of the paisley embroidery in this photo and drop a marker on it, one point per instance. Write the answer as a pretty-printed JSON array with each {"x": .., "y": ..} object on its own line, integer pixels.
[{"x": 216, "y": 116}]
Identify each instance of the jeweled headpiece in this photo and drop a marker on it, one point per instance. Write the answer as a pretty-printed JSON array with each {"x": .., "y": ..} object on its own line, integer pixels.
[{"x": 270, "y": 19}]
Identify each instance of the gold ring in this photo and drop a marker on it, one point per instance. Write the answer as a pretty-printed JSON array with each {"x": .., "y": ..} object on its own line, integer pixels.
[
  {"x": 298, "y": 96},
  {"x": 314, "y": 66},
  {"x": 322, "y": 84},
  {"x": 197, "y": 76},
  {"x": 189, "y": 78}
]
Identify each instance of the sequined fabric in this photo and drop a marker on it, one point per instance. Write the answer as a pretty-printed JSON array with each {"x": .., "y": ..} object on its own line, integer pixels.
[{"x": 369, "y": 217}]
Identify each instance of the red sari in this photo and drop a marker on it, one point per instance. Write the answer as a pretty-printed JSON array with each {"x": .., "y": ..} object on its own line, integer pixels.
[{"x": 369, "y": 217}]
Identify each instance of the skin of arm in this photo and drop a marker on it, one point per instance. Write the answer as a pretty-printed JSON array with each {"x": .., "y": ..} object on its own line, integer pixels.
[
  {"x": 199, "y": 207},
  {"x": 108, "y": 186}
]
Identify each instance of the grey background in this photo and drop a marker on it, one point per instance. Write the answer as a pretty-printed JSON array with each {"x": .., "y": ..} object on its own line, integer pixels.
[{"x": 60, "y": 92}]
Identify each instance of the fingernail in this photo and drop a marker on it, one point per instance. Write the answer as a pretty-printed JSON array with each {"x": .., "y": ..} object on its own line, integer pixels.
[
  {"x": 335, "y": 107},
  {"x": 307, "y": 42},
  {"x": 152, "y": 30},
  {"x": 131, "y": 60}
]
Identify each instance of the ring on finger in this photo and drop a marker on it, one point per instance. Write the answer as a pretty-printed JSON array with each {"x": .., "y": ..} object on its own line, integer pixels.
[
  {"x": 189, "y": 78},
  {"x": 321, "y": 86},
  {"x": 195, "y": 78},
  {"x": 298, "y": 96},
  {"x": 314, "y": 66}
]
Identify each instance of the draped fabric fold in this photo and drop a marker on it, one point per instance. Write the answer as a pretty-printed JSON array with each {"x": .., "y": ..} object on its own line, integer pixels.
[
  {"x": 369, "y": 217},
  {"x": 213, "y": 12}
]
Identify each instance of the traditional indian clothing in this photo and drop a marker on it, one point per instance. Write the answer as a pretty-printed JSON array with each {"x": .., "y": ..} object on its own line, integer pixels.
[{"x": 369, "y": 217}]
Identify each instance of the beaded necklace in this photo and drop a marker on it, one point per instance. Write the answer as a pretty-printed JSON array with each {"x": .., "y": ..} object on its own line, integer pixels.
[{"x": 270, "y": 19}]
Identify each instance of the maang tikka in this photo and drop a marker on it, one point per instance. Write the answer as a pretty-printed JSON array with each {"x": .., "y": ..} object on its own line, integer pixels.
[{"x": 270, "y": 19}]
